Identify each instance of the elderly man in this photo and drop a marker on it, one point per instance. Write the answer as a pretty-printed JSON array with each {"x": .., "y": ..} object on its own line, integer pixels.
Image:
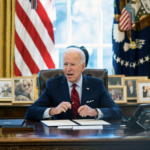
[
  {"x": 131, "y": 90},
  {"x": 74, "y": 95}
]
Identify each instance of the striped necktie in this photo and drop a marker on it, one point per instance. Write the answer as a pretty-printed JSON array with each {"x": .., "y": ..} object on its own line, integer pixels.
[{"x": 75, "y": 101}]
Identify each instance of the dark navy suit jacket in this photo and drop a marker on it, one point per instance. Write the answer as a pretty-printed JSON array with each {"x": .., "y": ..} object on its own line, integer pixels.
[{"x": 57, "y": 91}]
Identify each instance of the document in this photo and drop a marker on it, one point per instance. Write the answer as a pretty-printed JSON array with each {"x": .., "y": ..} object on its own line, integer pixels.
[
  {"x": 12, "y": 122},
  {"x": 76, "y": 122},
  {"x": 87, "y": 127},
  {"x": 91, "y": 122},
  {"x": 65, "y": 127},
  {"x": 58, "y": 123},
  {"x": 80, "y": 127}
]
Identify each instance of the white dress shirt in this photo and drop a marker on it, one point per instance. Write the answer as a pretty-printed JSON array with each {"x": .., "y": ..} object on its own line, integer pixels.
[
  {"x": 79, "y": 90},
  {"x": 131, "y": 89}
]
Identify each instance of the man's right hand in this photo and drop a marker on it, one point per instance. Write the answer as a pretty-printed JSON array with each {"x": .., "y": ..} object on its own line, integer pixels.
[{"x": 62, "y": 107}]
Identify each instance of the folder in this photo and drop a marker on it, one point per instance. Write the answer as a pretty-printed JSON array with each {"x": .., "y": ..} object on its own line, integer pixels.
[
  {"x": 4, "y": 122},
  {"x": 58, "y": 123},
  {"x": 74, "y": 122},
  {"x": 90, "y": 122}
]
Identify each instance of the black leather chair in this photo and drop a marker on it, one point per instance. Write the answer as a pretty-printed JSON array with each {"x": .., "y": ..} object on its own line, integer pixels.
[{"x": 44, "y": 75}]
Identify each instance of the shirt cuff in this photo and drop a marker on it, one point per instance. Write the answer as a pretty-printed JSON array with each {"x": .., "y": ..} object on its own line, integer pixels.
[
  {"x": 46, "y": 114},
  {"x": 100, "y": 114}
]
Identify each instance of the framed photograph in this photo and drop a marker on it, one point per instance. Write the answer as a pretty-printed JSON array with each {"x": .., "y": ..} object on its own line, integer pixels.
[
  {"x": 143, "y": 91},
  {"x": 130, "y": 82},
  {"x": 118, "y": 94},
  {"x": 5, "y": 89},
  {"x": 115, "y": 80},
  {"x": 23, "y": 90}
]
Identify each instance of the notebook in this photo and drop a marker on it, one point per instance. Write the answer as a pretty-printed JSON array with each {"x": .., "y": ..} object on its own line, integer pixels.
[
  {"x": 90, "y": 122},
  {"x": 4, "y": 122},
  {"x": 58, "y": 123}
]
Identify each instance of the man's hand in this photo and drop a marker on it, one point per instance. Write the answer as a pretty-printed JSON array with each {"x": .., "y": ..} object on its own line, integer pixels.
[
  {"x": 87, "y": 111},
  {"x": 62, "y": 107}
]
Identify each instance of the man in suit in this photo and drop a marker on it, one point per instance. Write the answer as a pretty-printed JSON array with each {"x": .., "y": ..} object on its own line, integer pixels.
[
  {"x": 62, "y": 99},
  {"x": 131, "y": 90}
]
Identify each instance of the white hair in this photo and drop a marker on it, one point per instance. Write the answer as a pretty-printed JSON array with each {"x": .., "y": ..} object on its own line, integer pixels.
[{"x": 73, "y": 49}]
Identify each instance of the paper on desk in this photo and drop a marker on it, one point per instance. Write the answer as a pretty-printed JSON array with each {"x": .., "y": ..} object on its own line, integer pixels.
[
  {"x": 64, "y": 127},
  {"x": 91, "y": 122},
  {"x": 58, "y": 123},
  {"x": 87, "y": 127},
  {"x": 80, "y": 127}
]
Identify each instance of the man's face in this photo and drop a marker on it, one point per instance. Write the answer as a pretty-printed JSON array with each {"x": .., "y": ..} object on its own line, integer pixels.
[
  {"x": 72, "y": 66},
  {"x": 129, "y": 83}
]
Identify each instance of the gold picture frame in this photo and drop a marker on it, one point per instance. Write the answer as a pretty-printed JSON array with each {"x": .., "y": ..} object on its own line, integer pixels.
[
  {"x": 131, "y": 81},
  {"x": 116, "y": 80},
  {"x": 23, "y": 90},
  {"x": 36, "y": 90},
  {"x": 143, "y": 91},
  {"x": 118, "y": 94},
  {"x": 5, "y": 90}
]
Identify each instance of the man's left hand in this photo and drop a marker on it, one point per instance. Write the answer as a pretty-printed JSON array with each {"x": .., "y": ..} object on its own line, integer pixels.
[{"x": 87, "y": 111}]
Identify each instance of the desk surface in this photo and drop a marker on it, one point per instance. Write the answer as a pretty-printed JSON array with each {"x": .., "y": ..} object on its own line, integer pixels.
[
  {"x": 113, "y": 136},
  {"x": 18, "y": 112}
]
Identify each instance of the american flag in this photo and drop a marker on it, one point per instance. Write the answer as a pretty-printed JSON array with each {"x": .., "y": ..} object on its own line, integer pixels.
[
  {"x": 34, "y": 37},
  {"x": 127, "y": 19}
]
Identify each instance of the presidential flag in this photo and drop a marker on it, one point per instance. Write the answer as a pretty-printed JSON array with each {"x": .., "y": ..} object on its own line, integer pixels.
[
  {"x": 131, "y": 37},
  {"x": 34, "y": 37}
]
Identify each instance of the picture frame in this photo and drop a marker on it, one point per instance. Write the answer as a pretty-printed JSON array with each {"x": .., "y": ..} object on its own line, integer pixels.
[
  {"x": 36, "y": 90},
  {"x": 143, "y": 91},
  {"x": 130, "y": 82},
  {"x": 23, "y": 90},
  {"x": 115, "y": 80},
  {"x": 5, "y": 90},
  {"x": 118, "y": 94}
]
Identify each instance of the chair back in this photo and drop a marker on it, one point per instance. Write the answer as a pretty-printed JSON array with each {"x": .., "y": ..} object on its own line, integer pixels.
[{"x": 44, "y": 75}]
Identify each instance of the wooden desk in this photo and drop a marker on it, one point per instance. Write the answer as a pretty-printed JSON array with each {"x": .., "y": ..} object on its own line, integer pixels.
[
  {"x": 16, "y": 112},
  {"x": 111, "y": 137}
]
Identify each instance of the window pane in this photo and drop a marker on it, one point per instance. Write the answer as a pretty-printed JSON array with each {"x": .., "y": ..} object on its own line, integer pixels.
[
  {"x": 85, "y": 21},
  {"x": 61, "y": 51},
  {"x": 107, "y": 59},
  {"x": 108, "y": 13},
  {"x": 60, "y": 24},
  {"x": 92, "y": 58}
]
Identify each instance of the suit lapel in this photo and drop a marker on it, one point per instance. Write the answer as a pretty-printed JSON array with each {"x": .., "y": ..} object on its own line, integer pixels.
[
  {"x": 85, "y": 90},
  {"x": 65, "y": 92}
]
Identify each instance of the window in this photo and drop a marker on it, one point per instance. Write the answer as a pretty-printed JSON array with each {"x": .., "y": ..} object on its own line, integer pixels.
[{"x": 85, "y": 23}]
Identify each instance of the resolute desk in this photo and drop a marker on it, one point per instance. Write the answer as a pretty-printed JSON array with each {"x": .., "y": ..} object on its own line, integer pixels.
[{"x": 113, "y": 137}]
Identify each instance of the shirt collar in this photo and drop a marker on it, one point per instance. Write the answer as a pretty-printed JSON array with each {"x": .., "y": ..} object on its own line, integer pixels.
[{"x": 79, "y": 83}]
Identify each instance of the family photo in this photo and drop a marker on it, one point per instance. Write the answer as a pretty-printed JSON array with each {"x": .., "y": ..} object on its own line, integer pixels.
[
  {"x": 5, "y": 89},
  {"x": 116, "y": 94},
  {"x": 23, "y": 90},
  {"x": 146, "y": 91}
]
